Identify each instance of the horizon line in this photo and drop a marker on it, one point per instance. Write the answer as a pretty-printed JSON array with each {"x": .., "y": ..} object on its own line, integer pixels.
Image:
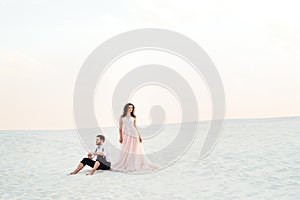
[{"x": 225, "y": 119}]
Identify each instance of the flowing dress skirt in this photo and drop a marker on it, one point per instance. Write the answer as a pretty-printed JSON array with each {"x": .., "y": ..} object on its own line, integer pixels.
[{"x": 132, "y": 157}]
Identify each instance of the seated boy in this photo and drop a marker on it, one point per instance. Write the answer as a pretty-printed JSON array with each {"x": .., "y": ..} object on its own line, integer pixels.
[{"x": 98, "y": 160}]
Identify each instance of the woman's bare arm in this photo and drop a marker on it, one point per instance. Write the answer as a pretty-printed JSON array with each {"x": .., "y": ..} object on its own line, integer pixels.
[
  {"x": 137, "y": 130},
  {"x": 120, "y": 129}
]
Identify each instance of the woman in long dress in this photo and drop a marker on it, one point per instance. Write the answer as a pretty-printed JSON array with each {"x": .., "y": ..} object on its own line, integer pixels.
[{"x": 132, "y": 157}]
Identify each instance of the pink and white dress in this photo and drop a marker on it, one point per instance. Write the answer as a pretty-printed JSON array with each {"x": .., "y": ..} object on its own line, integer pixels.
[{"x": 132, "y": 157}]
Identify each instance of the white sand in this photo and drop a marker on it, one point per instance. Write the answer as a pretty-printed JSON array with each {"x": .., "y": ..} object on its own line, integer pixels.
[{"x": 255, "y": 159}]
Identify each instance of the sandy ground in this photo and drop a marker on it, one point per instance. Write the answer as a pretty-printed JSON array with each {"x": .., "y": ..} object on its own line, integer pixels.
[{"x": 255, "y": 159}]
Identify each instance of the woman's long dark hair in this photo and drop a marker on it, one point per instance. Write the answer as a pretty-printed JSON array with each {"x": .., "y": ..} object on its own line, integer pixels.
[{"x": 126, "y": 110}]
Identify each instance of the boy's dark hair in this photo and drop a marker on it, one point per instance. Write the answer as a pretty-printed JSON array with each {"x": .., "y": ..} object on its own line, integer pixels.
[{"x": 101, "y": 137}]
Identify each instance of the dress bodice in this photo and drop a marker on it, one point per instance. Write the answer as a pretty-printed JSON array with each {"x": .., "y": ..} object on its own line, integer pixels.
[{"x": 128, "y": 126}]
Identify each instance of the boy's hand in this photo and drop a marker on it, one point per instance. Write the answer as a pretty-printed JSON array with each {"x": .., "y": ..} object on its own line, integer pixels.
[{"x": 90, "y": 155}]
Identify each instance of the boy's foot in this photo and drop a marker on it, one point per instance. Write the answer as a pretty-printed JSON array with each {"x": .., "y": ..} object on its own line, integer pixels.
[
  {"x": 91, "y": 173},
  {"x": 72, "y": 173}
]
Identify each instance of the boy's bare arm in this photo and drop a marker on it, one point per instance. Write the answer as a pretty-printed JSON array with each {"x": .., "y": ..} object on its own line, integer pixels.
[{"x": 99, "y": 154}]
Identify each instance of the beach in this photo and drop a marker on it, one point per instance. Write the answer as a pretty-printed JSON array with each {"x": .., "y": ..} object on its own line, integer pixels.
[{"x": 254, "y": 159}]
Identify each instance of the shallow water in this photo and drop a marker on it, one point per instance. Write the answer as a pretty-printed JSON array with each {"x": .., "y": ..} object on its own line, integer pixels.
[{"x": 254, "y": 159}]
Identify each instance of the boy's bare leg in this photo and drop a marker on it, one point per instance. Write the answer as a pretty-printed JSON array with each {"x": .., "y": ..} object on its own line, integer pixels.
[
  {"x": 96, "y": 165},
  {"x": 79, "y": 167}
]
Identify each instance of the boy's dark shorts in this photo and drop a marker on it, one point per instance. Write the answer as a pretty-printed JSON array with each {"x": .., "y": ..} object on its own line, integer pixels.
[{"x": 104, "y": 164}]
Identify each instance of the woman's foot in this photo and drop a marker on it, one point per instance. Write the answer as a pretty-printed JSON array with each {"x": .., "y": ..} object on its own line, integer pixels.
[{"x": 72, "y": 173}]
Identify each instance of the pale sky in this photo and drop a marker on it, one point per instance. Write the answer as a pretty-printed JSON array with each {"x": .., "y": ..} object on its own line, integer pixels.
[{"x": 255, "y": 46}]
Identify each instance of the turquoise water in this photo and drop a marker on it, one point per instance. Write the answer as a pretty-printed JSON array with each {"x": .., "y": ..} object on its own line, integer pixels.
[{"x": 255, "y": 159}]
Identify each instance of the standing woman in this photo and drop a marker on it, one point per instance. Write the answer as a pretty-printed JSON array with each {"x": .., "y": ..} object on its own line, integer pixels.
[{"x": 132, "y": 157}]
